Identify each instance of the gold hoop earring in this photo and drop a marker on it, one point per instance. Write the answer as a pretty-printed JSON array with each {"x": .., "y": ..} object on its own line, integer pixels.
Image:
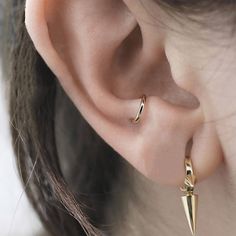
[
  {"x": 190, "y": 200},
  {"x": 140, "y": 110}
]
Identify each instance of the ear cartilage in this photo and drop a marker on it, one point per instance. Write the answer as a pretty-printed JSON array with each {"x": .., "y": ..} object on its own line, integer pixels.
[
  {"x": 140, "y": 110},
  {"x": 190, "y": 200}
]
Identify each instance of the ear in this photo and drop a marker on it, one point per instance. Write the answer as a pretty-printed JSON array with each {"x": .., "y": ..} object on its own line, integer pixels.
[{"x": 105, "y": 57}]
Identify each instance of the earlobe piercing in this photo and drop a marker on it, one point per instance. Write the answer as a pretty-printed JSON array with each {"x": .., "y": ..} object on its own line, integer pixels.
[
  {"x": 190, "y": 200},
  {"x": 140, "y": 110}
]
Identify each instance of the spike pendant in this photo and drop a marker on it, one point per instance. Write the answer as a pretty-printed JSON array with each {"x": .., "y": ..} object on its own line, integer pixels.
[
  {"x": 190, "y": 200},
  {"x": 190, "y": 203}
]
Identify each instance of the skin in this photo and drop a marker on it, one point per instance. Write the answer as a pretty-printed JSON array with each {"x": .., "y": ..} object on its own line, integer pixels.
[{"x": 186, "y": 70}]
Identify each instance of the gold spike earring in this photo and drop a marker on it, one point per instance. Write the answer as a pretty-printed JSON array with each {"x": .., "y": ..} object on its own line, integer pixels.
[{"x": 190, "y": 200}]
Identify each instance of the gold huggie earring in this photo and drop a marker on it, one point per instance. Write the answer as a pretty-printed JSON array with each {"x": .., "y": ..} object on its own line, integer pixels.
[
  {"x": 140, "y": 110},
  {"x": 190, "y": 200}
]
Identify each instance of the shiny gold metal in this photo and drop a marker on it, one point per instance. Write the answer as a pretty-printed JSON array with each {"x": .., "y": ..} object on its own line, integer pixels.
[
  {"x": 190, "y": 200},
  {"x": 140, "y": 110}
]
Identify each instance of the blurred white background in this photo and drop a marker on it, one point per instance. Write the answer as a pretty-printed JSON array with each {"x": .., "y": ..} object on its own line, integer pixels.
[{"x": 16, "y": 216}]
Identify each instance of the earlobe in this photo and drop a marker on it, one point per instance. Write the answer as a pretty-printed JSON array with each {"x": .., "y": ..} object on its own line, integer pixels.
[
  {"x": 206, "y": 152},
  {"x": 82, "y": 56}
]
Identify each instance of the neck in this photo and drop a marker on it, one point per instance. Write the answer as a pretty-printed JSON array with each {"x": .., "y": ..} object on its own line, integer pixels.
[{"x": 151, "y": 209}]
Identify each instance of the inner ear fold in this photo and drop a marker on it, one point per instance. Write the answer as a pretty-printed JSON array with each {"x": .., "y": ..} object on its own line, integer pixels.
[
  {"x": 129, "y": 49},
  {"x": 92, "y": 36}
]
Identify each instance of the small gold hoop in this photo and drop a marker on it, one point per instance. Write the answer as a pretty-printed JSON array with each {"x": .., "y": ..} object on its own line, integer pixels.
[{"x": 140, "y": 110}]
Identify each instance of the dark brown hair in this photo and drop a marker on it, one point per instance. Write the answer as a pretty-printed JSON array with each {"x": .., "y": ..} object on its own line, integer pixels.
[
  {"x": 74, "y": 202},
  {"x": 75, "y": 209}
]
